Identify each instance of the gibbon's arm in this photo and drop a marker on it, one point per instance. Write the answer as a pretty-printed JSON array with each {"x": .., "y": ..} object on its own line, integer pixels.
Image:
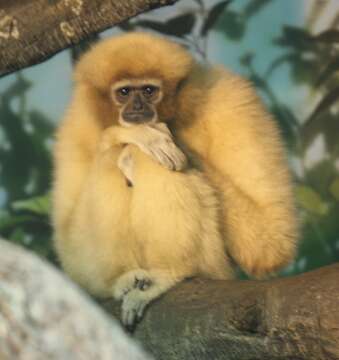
[
  {"x": 242, "y": 151},
  {"x": 74, "y": 151},
  {"x": 82, "y": 135},
  {"x": 260, "y": 214}
]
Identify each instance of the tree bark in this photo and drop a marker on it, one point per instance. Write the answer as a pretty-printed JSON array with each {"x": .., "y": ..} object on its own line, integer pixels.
[
  {"x": 32, "y": 31},
  {"x": 282, "y": 319},
  {"x": 44, "y": 316}
]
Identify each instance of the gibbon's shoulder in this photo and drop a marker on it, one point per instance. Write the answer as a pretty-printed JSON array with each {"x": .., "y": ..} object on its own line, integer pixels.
[
  {"x": 216, "y": 89},
  {"x": 135, "y": 54}
]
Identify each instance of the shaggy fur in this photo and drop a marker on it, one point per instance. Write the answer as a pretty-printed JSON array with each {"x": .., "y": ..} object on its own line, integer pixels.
[{"x": 235, "y": 197}]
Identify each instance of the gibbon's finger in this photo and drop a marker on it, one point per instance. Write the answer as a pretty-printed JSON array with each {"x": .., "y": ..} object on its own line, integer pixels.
[
  {"x": 167, "y": 152},
  {"x": 169, "y": 159},
  {"x": 176, "y": 155},
  {"x": 181, "y": 159},
  {"x": 159, "y": 157},
  {"x": 140, "y": 312},
  {"x": 163, "y": 128},
  {"x": 164, "y": 159}
]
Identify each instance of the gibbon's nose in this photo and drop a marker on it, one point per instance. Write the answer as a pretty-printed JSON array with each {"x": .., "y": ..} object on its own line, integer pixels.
[{"x": 137, "y": 103}]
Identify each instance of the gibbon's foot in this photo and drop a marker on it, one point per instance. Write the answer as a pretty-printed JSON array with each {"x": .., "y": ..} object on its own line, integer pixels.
[
  {"x": 131, "y": 288},
  {"x": 135, "y": 279},
  {"x": 133, "y": 305},
  {"x": 126, "y": 164},
  {"x": 138, "y": 288}
]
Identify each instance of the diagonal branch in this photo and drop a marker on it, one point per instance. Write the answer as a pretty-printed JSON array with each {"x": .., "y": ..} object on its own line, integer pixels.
[{"x": 32, "y": 31}]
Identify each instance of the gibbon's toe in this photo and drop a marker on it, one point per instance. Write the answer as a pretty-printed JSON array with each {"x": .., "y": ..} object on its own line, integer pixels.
[
  {"x": 133, "y": 306},
  {"x": 135, "y": 279}
]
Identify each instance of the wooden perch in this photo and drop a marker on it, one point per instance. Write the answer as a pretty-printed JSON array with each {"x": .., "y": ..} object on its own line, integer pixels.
[
  {"x": 283, "y": 319},
  {"x": 32, "y": 31}
]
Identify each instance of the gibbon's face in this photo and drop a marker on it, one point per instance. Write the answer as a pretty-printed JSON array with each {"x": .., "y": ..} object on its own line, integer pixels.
[{"x": 137, "y": 100}]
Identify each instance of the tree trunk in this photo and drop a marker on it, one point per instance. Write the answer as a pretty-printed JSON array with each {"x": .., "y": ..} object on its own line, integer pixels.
[
  {"x": 44, "y": 316},
  {"x": 33, "y": 31}
]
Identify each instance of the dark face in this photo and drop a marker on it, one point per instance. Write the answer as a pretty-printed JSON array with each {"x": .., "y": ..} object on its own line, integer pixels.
[{"x": 136, "y": 101}]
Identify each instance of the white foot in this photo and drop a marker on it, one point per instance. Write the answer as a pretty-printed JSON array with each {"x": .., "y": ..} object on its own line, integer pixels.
[
  {"x": 137, "y": 288},
  {"x": 133, "y": 306},
  {"x": 135, "y": 279}
]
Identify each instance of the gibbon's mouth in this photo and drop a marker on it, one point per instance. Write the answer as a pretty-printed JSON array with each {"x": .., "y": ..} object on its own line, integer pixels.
[{"x": 138, "y": 117}]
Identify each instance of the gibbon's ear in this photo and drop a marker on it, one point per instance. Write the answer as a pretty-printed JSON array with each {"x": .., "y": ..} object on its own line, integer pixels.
[{"x": 134, "y": 55}]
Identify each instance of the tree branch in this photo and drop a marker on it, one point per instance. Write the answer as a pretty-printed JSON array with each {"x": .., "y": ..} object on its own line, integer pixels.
[
  {"x": 282, "y": 319},
  {"x": 32, "y": 31}
]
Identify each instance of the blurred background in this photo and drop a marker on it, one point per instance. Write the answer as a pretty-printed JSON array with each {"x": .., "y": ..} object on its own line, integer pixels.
[{"x": 289, "y": 50}]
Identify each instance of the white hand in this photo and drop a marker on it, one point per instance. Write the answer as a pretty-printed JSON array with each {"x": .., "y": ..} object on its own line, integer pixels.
[{"x": 157, "y": 141}]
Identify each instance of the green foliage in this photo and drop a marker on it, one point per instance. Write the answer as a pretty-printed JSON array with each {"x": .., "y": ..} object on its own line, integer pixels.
[
  {"x": 178, "y": 26},
  {"x": 213, "y": 16},
  {"x": 25, "y": 171},
  {"x": 39, "y": 205}
]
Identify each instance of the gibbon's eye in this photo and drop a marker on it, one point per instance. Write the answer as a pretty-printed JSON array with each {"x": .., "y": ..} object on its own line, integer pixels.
[
  {"x": 124, "y": 91},
  {"x": 149, "y": 90}
]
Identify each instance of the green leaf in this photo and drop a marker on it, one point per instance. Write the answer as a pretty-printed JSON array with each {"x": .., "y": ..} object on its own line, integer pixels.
[
  {"x": 311, "y": 201},
  {"x": 330, "y": 70},
  {"x": 334, "y": 188},
  {"x": 213, "y": 16},
  {"x": 126, "y": 26},
  {"x": 17, "y": 236},
  {"x": 247, "y": 59},
  {"x": 254, "y": 6},
  {"x": 178, "y": 26},
  {"x": 326, "y": 124},
  {"x": 232, "y": 25},
  {"x": 8, "y": 221},
  {"x": 330, "y": 99},
  {"x": 289, "y": 57},
  {"x": 40, "y": 205},
  {"x": 320, "y": 177},
  {"x": 295, "y": 37}
]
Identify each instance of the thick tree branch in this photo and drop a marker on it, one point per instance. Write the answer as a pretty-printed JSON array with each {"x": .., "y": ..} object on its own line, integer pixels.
[
  {"x": 32, "y": 31},
  {"x": 43, "y": 316},
  {"x": 283, "y": 319}
]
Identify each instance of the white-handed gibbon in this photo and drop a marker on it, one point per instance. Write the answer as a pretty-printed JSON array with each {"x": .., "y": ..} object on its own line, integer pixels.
[{"x": 164, "y": 170}]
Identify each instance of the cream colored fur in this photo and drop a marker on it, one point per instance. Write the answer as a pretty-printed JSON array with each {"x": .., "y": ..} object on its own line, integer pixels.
[{"x": 235, "y": 195}]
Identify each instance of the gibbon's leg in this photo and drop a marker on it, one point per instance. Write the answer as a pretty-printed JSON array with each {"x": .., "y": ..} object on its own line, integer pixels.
[
  {"x": 99, "y": 247},
  {"x": 176, "y": 218}
]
